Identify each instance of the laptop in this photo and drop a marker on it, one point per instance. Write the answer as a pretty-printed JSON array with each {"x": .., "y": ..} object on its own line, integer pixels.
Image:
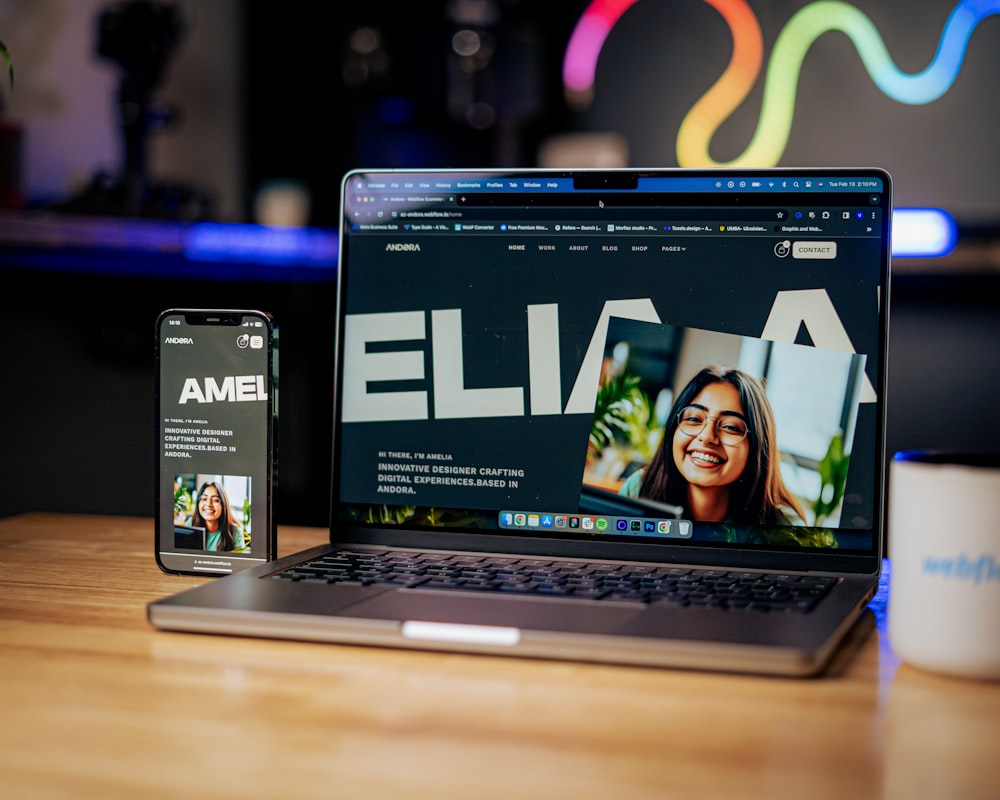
[{"x": 631, "y": 417}]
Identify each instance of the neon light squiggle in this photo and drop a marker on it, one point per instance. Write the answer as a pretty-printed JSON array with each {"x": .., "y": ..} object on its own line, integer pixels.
[
  {"x": 790, "y": 48},
  {"x": 593, "y": 27}
]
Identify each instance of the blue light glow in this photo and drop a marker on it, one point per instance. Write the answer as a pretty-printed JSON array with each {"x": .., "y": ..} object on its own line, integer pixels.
[
  {"x": 922, "y": 233},
  {"x": 219, "y": 241}
]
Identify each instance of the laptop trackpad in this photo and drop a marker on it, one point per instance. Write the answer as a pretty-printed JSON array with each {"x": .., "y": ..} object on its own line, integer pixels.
[{"x": 550, "y": 614}]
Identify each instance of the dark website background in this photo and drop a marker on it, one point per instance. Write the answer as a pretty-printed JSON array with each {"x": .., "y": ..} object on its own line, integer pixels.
[
  {"x": 243, "y": 452},
  {"x": 726, "y": 283}
]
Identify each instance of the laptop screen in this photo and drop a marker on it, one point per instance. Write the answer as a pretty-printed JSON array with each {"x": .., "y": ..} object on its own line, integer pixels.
[{"x": 656, "y": 357}]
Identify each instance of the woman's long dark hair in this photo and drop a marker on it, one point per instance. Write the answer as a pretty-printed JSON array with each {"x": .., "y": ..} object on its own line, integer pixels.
[
  {"x": 759, "y": 494},
  {"x": 226, "y": 522}
]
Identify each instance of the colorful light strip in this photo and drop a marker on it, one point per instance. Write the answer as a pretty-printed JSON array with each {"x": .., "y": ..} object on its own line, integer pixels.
[
  {"x": 923, "y": 232},
  {"x": 781, "y": 81},
  {"x": 587, "y": 40}
]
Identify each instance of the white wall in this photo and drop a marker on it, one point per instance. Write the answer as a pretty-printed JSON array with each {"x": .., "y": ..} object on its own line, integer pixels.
[{"x": 64, "y": 97}]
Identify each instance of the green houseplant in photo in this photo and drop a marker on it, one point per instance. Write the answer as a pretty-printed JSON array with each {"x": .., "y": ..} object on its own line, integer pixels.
[
  {"x": 5, "y": 55},
  {"x": 183, "y": 502},
  {"x": 832, "y": 471},
  {"x": 623, "y": 413}
]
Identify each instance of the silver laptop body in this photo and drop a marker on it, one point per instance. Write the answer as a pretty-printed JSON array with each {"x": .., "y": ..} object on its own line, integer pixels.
[{"x": 631, "y": 417}]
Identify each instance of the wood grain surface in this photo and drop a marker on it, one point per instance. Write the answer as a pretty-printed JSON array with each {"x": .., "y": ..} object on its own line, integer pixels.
[{"x": 96, "y": 703}]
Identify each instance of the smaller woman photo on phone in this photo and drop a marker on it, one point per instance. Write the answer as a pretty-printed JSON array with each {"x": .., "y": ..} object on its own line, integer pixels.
[{"x": 220, "y": 507}]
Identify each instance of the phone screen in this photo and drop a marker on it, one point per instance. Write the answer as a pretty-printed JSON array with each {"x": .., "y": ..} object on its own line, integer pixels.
[{"x": 216, "y": 406}]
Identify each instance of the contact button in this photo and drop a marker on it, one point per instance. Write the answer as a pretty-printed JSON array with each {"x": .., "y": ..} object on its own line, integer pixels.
[{"x": 814, "y": 250}]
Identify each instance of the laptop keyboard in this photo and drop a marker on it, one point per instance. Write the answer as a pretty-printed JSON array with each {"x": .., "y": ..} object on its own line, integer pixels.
[{"x": 738, "y": 591}]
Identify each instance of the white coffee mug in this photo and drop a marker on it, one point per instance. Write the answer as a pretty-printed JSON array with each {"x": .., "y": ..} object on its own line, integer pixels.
[{"x": 944, "y": 550}]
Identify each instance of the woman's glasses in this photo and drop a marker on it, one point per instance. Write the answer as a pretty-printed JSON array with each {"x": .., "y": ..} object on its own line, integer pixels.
[{"x": 730, "y": 429}]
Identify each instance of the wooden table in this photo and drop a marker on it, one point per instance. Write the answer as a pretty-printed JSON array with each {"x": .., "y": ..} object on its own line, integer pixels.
[{"x": 96, "y": 703}]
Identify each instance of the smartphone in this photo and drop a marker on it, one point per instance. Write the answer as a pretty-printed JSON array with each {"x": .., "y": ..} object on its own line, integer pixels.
[{"x": 216, "y": 423}]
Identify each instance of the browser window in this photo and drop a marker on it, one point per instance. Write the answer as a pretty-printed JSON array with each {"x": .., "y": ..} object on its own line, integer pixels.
[{"x": 571, "y": 360}]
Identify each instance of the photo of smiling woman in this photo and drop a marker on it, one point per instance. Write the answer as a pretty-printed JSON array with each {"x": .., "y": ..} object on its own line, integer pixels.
[
  {"x": 719, "y": 458},
  {"x": 214, "y": 513}
]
